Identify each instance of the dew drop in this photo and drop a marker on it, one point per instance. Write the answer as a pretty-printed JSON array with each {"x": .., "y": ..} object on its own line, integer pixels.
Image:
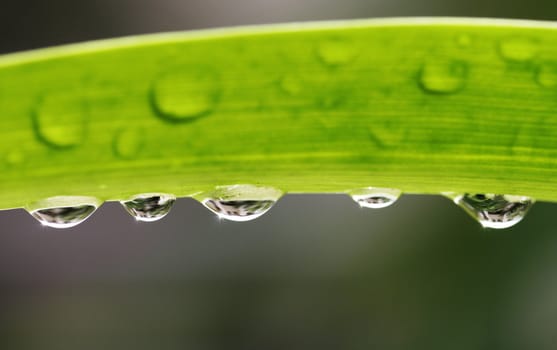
[
  {"x": 518, "y": 49},
  {"x": 546, "y": 75},
  {"x": 149, "y": 207},
  {"x": 373, "y": 197},
  {"x": 60, "y": 120},
  {"x": 127, "y": 142},
  {"x": 336, "y": 52},
  {"x": 443, "y": 76},
  {"x": 63, "y": 211},
  {"x": 184, "y": 95},
  {"x": 241, "y": 202},
  {"x": 494, "y": 210}
]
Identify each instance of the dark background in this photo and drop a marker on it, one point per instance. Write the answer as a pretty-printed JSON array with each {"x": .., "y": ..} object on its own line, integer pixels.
[{"x": 315, "y": 272}]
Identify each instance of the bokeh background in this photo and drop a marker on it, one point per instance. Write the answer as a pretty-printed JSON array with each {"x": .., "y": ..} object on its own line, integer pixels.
[{"x": 316, "y": 272}]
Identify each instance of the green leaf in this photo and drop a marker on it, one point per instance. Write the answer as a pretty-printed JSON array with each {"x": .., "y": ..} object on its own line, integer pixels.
[{"x": 421, "y": 105}]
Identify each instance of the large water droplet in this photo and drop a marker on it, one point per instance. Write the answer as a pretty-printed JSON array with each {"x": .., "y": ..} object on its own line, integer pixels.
[
  {"x": 373, "y": 197},
  {"x": 127, "y": 142},
  {"x": 546, "y": 75},
  {"x": 185, "y": 94},
  {"x": 149, "y": 207},
  {"x": 63, "y": 211},
  {"x": 518, "y": 49},
  {"x": 336, "y": 52},
  {"x": 443, "y": 76},
  {"x": 241, "y": 202},
  {"x": 494, "y": 210},
  {"x": 60, "y": 120}
]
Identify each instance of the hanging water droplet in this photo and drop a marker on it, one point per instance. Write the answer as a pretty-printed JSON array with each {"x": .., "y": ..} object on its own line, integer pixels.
[
  {"x": 241, "y": 202},
  {"x": 127, "y": 142},
  {"x": 63, "y": 211},
  {"x": 494, "y": 210},
  {"x": 546, "y": 75},
  {"x": 336, "y": 52},
  {"x": 443, "y": 76},
  {"x": 518, "y": 49},
  {"x": 373, "y": 197},
  {"x": 60, "y": 120},
  {"x": 149, "y": 207},
  {"x": 184, "y": 94},
  {"x": 239, "y": 210}
]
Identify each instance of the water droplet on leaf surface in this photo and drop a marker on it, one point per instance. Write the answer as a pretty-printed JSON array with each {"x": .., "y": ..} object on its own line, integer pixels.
[
  {"x": 518, "y": 49},
  {"x": 15, "y": 157},
  {"x": 464, "y": 40},
  {"x": 336, "y": 52},
  {"x": 291, "y": 84},
  {"x": 60, "y": 120},
  {"x": 63, "y": 211},
  {"x": 494, "y": 210},
  {"x": 241, "y": 202},
  {"x": 149, "y": 207},
  {"x": 127, "y": 142},
  {"x": 184, "y": 94},
  {"x": 546, "y": 75},
  {"x": 373, "y": 197},
  {"x": 443, "y": 76}
]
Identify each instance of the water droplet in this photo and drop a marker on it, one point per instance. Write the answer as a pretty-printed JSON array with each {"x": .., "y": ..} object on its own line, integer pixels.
[
  {"x": 184, "y": 94},
  {"x": 518, "y": 49},
  {"x": 336, "y": 52},
  {"x": 387, "y": 134},
  {"x": 291, "y": 84},
  {"x": 149, "y": 207},
  {"x": 63, "y": 211},
  {"x": 15, "y": 157},
  {"x": 494, "y": 210},
  {"x": 241, "y": 202},
  {"x": 463, "y": 40},
  {"x": 127, "y": 142},
  {"x": 443, "y": 76},
  {"x": 546, "y": 75},
  {"x": 373, "y": 197},
  {"x": 60, "y": 120}
]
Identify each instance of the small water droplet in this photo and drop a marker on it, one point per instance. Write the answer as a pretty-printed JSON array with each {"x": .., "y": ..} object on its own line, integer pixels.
[
  {"x": 336, "y": 52},
  {"x": 518, "y": 49},
  {"x": 149, "y": 207},
  {"x": 546, "y": 75},
  {"x": 443, "y": 76},
  {"x": 494, "y": 210},
  {"x": 184, "y": 94},
  {"x": 15, "y": 157},
  {"x": 63, "y": 211},
  {"x": 387, "y": 135},
  {"x": 373, "y": 197},
  {"x": 60, "y": 120},
  {"x": 464, "y": 40},
  {"x": 241, "y": 202},
  {"x": 127, "y": 142},
  {"x": 291, "y": 84}
]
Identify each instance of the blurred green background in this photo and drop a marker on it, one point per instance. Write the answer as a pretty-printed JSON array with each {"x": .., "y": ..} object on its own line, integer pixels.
[{"x": 316, "y": 272}]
